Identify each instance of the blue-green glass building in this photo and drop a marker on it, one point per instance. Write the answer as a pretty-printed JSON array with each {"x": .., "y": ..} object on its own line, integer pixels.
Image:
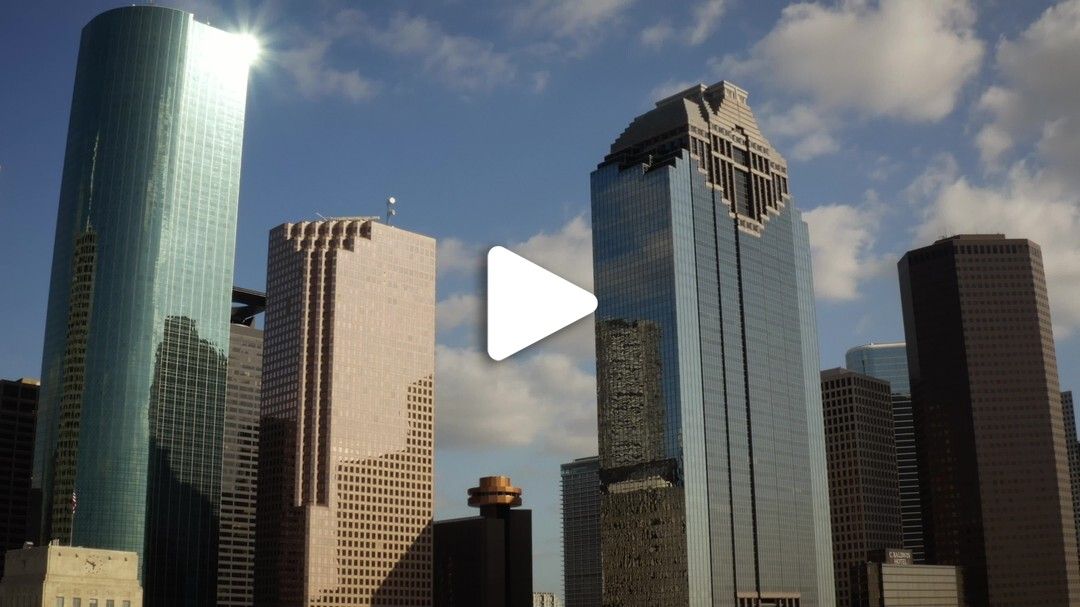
[
  {"x": 888, "y": 361},
  {"x": 694, "y": 230},
  {"x": 128, "y": 452}
]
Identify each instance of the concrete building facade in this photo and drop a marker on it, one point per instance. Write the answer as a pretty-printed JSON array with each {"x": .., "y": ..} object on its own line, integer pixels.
[
  {"x": 581, "y": 532},
  {"x": 695, "y": 231},
  {"x": 70, "y": 576},
  {"x": 18, "y": 414},
  {"x": 864, "y": 495},
  {"x": 347, "y": 420},
  {"x": 988, "y": 414},
  {"x": 888, "y": 361},
  {"x": 891, "y": 578},
  {"x": 546, "y": 599}
]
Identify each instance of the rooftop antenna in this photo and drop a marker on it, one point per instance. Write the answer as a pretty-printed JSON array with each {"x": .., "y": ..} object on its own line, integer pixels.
[{"x": 391, "y": 209}]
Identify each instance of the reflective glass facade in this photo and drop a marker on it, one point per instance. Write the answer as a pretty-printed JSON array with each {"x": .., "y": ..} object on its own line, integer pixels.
[
  {"x": 137, "y": 334},
  {"x": 693, "y": 230},
  {"x": 883, "y": 361}
]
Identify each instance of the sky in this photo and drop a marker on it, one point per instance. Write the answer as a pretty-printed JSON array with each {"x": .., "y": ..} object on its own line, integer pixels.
[{"x": 901, "y": 120}]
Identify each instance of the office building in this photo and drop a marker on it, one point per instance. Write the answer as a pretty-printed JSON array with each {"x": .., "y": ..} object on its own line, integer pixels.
[
  {"x": 240, "y": 453},
  {"x": 581, "y": 532},
  {"x": 137, "y": 329},
  {"x": 694, "y": 231},
  {"x": 891, "y": 578},
  {"x": 67, "y": 576},
  {"x": 546, "y": 599},
  {"x": 888, "y": 361},
  {"x": 864, "y": 494},
  {"x": 18, "y": 412},
  {"x": 1072, "y": 447},
  {"x": 486, "y": 561},
  {"x": 347, "y": 419},
  {"x": 988, "y": 415}
]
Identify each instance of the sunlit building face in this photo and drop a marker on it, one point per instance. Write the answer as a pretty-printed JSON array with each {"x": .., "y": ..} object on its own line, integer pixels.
[{"x": 137, "y": 335}]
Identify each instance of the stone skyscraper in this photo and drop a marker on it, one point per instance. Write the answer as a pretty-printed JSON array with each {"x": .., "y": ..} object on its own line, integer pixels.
[
  {"x": 864, "y": 493},
  {"x": 347, "y": 422},
  {"x": 888, "y": 361},
  {"x": 137, "y": 332},
  {"x": 695, "y": 233},
  {"x": 581, "y": 531},
  {"x": 988, "y": 416}
]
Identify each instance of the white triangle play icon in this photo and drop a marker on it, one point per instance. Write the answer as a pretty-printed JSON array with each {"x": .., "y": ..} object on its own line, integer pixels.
[{"x": 526, "y": 303}]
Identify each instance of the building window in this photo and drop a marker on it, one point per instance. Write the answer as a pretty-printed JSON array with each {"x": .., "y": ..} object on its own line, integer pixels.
[
  {"x": 59, "y": 601},
  {"x": 76, "y": 601}
]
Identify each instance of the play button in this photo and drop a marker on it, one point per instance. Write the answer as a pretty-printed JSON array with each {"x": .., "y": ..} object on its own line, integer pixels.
[{"x": 526, "y": 303}]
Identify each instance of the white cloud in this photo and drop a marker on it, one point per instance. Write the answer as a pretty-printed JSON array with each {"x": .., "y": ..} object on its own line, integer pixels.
[
  {"x": 581, "y": 23},
  {"x": 657, "y": 34},
  {"x": 842, "y": 238},
  {"x": 307, "y": 64},
  {"x": 1038, "y": 99},
  {"x": 1026, "y": 204},
  {"x": 457, "y": 256},
  {"x": 906, "y": 59},
  {"x": 457, "y": 310},
  {"x": 544, "y": 399},
  {"x": 803, "y": 125},
  {"x": 545, "y": 395},
  {"x": 462, "y": 63},
  {"x": 706, "y": 16},
  {"x": 540, "y": 81}
]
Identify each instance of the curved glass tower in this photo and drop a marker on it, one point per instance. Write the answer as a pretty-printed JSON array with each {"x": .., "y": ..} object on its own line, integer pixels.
[
  {"x": 695, "y": 234},
  {"x": 137, "y": 334}
]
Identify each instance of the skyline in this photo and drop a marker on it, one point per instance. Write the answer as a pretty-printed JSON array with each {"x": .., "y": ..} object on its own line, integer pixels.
[{"x": 466, "y": 201}]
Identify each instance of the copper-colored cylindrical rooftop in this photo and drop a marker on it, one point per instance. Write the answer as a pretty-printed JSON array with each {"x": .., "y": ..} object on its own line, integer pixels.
[{"x": 495, "y": 491}]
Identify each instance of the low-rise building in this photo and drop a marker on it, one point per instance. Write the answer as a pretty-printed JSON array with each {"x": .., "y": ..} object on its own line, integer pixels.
[
  {"x": 70, "y": 576},
  {"x": 891, "y": 579},
  {"x": 546, "y": 599}
]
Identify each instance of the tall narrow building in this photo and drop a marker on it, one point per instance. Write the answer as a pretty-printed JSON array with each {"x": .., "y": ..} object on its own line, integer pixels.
[
  {"x": 18, "y": 413},
  {"x": 347, "y": 422},
  {"x": 988, "y": 415},
  {"x": 240, "y": 453},
  {"x": 1072, "y": 447},
  {"x": 864, "y": 492},
  {"x": 581, "y": 531},
  {"x": 888, "y": 361},
  {"x": 137, "y": 330},
  {"x": 695, "y": 233}
]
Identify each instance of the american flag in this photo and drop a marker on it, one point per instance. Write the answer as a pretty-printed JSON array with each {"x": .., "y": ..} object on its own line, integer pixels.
[{"x": 74, "y": 502}]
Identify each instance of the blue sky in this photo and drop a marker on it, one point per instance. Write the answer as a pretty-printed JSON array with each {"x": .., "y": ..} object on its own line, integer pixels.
[{"x": 902, "y": 120}]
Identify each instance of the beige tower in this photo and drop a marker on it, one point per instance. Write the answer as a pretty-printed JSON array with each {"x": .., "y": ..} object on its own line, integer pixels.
[{"x": 347, "y": 422}]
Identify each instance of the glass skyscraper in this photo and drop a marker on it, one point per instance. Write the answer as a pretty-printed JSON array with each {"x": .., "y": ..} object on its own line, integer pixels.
[
  {"x": 888, "y": 361},
  {"x": 695, "y": 232},
  {"x": 128, "y": 453}
]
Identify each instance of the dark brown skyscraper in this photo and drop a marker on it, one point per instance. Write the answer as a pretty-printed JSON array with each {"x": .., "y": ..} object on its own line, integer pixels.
[
  {"x": 486, "y": 560},
  {"x": 1073, "y": 448},
  {"x": 991, "y": 436},
  {"x": 18, "y": 412},
  {"x": 240, "y": 453},
  {"x": 864, "y": 490}
]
